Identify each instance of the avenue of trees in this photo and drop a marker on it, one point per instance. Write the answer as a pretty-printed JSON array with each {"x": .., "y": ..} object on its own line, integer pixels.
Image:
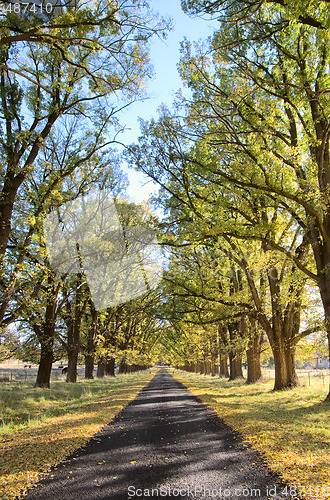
[
  {"x": 244, "y": 174},
  {"x": 243, "y": 167},
  {"x": 63, "y": 80}
]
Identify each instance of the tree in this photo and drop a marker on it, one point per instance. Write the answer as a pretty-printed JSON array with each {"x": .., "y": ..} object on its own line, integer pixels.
[
  {"x": 285, "y": 72},
  {"x": 202, "y": 289},
  {"x": 203, "y": 207},
  {"x": 238, "y": 10},
  {"x": 40, "y": 316},
  {"x": 57, "y": 78},
  {"x": 66, "y": 69}
]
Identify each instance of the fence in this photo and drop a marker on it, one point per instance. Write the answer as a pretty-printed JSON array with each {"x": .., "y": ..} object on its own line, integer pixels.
[
  {"x": 18, "y": 372},
  {"x": 307, "y": 377},
  {"x": 28, "y": 373}
]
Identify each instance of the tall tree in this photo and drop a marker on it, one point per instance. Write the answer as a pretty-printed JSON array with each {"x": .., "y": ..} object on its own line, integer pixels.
[
  {"x": 204, "y": 206},
  {"x": 275, "y": 116},
  {"x": 66, "y": 69}
]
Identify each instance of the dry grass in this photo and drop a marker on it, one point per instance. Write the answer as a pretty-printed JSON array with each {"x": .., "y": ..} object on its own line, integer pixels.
[{"x": 47, "y": 425}]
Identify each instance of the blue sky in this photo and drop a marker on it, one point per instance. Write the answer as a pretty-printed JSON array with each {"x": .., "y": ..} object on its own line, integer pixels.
[{"x": 164, "y": 57}]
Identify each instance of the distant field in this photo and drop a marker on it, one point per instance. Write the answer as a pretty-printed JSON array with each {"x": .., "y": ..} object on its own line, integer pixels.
[
  {"x": 290, "y": 429},
  {"x": 17, "y": 371}
]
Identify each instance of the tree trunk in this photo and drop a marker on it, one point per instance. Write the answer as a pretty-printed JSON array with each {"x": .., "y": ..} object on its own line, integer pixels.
[
  {"x": 290, "y": 360},
  {"x": 214, "y": 367},
  {"x": 110, "y": 367},
  {"x": 90, "y": 349},
  {"x": 207, "y": 367},
  {"x": 89, "y": 366},
  {"x": 285, "y": 369},
  {"x": 223, "y": 341},
  {"x": 123, "y": 367},
  {"x": 284, "y": 331},
  {"x": 72, "y": 364},
  {"x": 100, "y": 368},
  {"x": 223, "y": 370},
  {"x": 202, "y": 368},
  {"x": 46, "y": 336},
  {"x": 325, "y": 296},
  {"x": 235, "y": 365},
  {"x": 253, "y": 358},
  {"x": 253, "y": 366},
  {"x": 281, "y": 376},
  {"x": 187, "y": 366},
  {"x": 236, "y": 332},
  {"x": 74, "y": 334},
  {"x": 45, "y": 365}
]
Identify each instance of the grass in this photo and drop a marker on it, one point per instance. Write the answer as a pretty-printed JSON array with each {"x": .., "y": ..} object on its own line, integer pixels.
[
  {"x": 40, "y": 427},
  {"x": 290, "y": 429}
]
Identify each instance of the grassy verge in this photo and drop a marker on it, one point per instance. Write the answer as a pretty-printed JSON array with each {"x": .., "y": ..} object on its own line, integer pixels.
[
  {"x": 290, "y": 429},
  {"x": 42, "y": 426}
]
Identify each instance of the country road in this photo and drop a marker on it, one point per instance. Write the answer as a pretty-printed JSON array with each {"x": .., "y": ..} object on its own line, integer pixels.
[{"x": 164, "y": 444}]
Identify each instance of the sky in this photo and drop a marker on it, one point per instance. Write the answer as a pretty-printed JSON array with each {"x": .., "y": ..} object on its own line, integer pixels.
[{"x": 164, "y": 57}]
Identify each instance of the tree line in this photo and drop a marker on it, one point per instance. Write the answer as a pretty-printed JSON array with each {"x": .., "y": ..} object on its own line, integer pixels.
[
  {"x": 64, "y": 77},
  {"x": 243, "y": 168}
]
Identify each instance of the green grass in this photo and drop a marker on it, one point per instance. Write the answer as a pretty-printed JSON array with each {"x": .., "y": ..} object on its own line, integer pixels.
[
  {"x": 290, "y": 428},
  {"x": 40, "y": 427},
  {"x": 22, "y": 405}
]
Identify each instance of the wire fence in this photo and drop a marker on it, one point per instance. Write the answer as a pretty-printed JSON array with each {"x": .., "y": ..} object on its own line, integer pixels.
[
  {"x": 19, "y": 372},
  {"x": 28, "y": 373},
  {"x": 307, "y": 377}
]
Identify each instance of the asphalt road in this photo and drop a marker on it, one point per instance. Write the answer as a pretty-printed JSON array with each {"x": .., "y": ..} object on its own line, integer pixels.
[{"x": 164, "y": 444}]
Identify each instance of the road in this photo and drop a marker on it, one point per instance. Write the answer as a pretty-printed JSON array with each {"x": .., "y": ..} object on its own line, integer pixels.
[{"x": 164, "y": 444}]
